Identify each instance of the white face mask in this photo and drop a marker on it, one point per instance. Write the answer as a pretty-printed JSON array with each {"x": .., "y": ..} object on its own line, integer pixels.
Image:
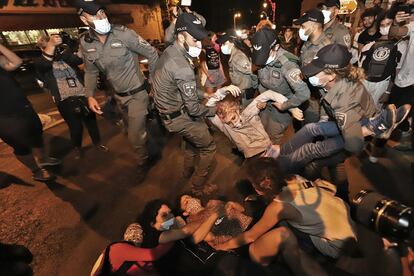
[
  {"x": 225, "y": 49},
  {"x": 194, "y": 51},
  {"x": 166, "y": 225},
  {"x": 270, "y": 59},
  {"x": 385, "y": 30},
  {"x": 315, "y": 81},
  {"x": 102, "y": 26},
  {"x": 302, "y": 35},
  {"x": 326, "y": 16}
]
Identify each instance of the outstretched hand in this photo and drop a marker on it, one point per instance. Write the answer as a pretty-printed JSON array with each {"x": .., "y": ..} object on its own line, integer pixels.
[
  {"x": 234, "y": 90},
  {"x": 297, "y": 113}
]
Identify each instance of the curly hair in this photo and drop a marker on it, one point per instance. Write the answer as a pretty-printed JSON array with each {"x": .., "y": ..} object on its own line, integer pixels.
[
  {"x": 228, "y": 105},
  {"x": 350, "y": 72}
]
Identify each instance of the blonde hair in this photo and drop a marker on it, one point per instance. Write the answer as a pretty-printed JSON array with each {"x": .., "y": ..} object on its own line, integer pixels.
[
  {"x": 227, "y": 106},
  {"x": 351, "y": 73}
]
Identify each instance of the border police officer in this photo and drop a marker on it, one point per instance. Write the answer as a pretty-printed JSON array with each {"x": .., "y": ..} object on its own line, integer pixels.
[
  {"x": 334, "y": 30},
  {"x": 311, "y": 31},
  {"x": 175, "y": 96},
  {"x": 240, "y": 65},
  {"x": 113, "y": 50},
  {"x": 280, "y": 72}
]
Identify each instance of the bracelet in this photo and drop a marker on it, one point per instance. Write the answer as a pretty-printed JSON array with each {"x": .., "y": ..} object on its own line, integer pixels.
[{"x": 387, "y": 92}]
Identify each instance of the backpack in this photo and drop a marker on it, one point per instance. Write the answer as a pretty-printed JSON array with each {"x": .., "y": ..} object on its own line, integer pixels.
[{"x": 381, "y": 61}]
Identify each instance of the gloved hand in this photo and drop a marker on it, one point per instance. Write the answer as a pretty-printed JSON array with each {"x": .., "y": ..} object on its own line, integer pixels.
[{"x": 296, "y": 113}]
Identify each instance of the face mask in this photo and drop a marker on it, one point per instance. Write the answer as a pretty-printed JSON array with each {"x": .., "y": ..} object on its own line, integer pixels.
[
  {"x": 326, "y": 16},
  {"x": 315, "y": 81},
  {"x": 225, "y": 49},
  {"x": 302, "y": 35},
  {"x": 385, "y": 30},
  {"x": 166, "y": 225},
  {"x": 102, "y": 26},
  {"x": 270, "y": 59},
  {"x": 194, "y": 51}
]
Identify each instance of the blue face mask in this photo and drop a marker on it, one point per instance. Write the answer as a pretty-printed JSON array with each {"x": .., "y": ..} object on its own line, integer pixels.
[{"x": 166, "y": 225}]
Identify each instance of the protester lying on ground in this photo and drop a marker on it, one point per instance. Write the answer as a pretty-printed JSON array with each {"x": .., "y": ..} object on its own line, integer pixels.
[
  {"x": 245, "y": 129},
  {"x": 317, "y": 221},
  {"x": 190, "y": 254},
  {"x": 226, "y": 227},
  {"x": 127, "y": 257}
]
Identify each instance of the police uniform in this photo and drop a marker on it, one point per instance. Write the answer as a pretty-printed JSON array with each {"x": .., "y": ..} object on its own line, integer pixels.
[
  {"x": 175, "y": 96},
  {"x": 240, "y": 69},
  {"x": 282, "y": 75},
  {"x": 311, "y": 108},
  {"x": 337, "y": 32},
  {"x": 118, "y": 59}
]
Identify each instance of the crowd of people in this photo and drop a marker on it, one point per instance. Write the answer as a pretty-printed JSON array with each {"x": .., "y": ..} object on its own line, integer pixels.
[{"x": 337, "y": 89}]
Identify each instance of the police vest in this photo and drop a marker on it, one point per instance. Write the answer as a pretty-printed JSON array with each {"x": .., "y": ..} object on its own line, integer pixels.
[{"x": 381, "y": 61}]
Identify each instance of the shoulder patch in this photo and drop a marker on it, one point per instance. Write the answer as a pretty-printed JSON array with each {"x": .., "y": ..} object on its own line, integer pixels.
[
  {"x": 295, "y": 75},
  {"x": 347, "y": 39},
  {"x": 340, "y": 119},
  {"x": 121, "y": 28},
  {"x": 189, "y": 89}
]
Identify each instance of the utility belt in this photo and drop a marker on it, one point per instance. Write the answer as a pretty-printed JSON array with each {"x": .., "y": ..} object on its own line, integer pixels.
[
  {"x": 173, "y": 115},
  {"x": 144, "y": 86}
]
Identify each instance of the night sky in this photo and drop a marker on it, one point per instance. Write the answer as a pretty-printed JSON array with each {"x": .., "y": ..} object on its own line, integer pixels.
[{"x": 219, "y": 13}]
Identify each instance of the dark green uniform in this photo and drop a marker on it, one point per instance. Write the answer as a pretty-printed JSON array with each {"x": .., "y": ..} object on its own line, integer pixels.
[
  {"x": 240, "y": 71},
  {"x": 175, "y": 96},
  {"x": 283, "y": 76},
  {"x": 118, "y": 59},
  {"x": 311, "y": 110},
  {"x": 339, "y": 33}
]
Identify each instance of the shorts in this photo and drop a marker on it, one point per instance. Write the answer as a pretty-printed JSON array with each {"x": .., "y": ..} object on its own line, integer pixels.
[
  {"x": 218, "y": 78},
  {"x": 26, "y": 133}
]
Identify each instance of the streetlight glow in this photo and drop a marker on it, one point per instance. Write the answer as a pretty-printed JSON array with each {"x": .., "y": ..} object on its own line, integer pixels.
[
  {"x": 236, "y": 15},
  {"x": 265, "y": 5}
]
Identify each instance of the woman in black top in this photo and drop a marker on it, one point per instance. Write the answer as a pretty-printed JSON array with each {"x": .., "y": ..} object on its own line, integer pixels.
[
  {"x": 20, "y": 127},
  {"x": 62, "y": 77}
]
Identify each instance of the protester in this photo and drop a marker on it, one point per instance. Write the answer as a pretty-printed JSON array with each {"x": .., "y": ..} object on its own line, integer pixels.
[
  {"x": 26, "y": 134},
  {"x": 288, "y": 40},
  {"x": 211, "y": 67},
  {"x": 61, "y": 76},
  {"x": 127, "y": 257},
  {"x": 371, "y": 32},
  {"x": 230, "y": 225}
]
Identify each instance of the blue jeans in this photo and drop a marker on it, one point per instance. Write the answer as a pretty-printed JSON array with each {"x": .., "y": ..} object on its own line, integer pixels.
[{"x": 296, "y": 153}]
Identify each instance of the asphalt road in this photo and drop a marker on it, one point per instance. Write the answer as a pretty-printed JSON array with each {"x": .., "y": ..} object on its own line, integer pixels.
[{"x": 67, "y": 224}]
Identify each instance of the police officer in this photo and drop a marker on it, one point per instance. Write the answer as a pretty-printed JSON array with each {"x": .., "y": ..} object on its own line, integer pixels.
[
  {"x": 334, "y": 30},
  {"x": 175, "y": 96},
  {"x": 114, "y": 50},
  {"x": 240, "y": 65},
  {"x": 311, "y": 31},
  {"x": 280, "y": 72}
]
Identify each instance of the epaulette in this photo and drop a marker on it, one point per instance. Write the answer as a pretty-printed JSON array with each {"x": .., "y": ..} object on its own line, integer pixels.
[
  {"x": 121, "y": 28},
  {"x": 291, "y": 57}
]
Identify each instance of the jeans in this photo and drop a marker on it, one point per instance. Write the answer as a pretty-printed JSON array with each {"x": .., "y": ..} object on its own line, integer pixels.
[
  {"x": 71, "y": 113},
  {"x": 301, "y": 148}
]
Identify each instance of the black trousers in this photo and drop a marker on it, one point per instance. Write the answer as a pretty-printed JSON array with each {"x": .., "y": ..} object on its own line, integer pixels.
[{"x": 72, "y": 112}]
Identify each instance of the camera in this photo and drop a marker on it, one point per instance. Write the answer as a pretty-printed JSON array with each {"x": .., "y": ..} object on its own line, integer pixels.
[{"x": 385, "y": 216}]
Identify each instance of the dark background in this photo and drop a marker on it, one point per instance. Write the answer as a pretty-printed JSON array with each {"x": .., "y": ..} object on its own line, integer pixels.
[{"x": 219, "y": 13}]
